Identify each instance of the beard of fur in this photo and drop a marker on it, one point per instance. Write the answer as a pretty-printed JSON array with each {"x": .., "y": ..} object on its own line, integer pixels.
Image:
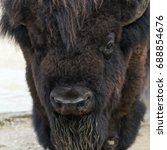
[{"x": 76, "y": 133}]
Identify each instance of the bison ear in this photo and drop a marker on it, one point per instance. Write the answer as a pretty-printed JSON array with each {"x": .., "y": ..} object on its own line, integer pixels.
[{"x": 131, "y": 10}]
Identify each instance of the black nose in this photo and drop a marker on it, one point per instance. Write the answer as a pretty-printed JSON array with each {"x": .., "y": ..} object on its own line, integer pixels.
[{"x": 72, "y": 100}]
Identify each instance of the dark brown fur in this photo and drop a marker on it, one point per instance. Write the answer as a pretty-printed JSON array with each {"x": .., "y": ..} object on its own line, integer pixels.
[{"x": 60, "y": 40}]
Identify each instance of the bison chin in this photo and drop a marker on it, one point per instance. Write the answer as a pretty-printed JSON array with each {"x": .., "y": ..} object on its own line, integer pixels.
[{"x": 77, "y": 133}]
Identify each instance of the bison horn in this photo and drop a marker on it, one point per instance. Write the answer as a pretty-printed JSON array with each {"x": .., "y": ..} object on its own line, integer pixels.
[{"x": 133, "y": 10}]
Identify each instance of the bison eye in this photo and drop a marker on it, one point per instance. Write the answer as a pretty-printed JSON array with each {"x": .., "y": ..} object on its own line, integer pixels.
[{"x": 108, "y": 46}]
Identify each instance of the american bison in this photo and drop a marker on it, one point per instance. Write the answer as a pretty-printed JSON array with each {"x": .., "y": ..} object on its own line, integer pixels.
[{"x": 85, "y": 68}]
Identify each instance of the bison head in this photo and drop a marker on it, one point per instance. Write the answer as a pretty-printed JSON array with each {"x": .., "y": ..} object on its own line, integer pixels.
[{"x": 77, "y": 54}]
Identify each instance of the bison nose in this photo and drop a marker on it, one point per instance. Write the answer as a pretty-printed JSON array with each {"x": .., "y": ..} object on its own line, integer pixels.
[{"x": 72, "y": 100}]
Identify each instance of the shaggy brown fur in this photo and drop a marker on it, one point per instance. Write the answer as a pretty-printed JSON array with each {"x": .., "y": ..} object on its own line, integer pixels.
[{"x": 65, "y": 43}]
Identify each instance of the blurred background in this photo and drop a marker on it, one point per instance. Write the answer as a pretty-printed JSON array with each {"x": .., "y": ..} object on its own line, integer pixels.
[{"x": 14, "y": 95}]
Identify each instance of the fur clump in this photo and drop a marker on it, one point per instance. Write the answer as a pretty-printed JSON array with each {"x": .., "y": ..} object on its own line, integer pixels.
[{"x": 76, "y": 133}]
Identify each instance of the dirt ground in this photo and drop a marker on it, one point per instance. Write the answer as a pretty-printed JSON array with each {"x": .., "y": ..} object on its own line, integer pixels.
[{"x": 16, "y": 133}]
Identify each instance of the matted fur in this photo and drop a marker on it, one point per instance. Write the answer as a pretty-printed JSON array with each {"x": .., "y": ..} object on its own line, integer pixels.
[
  {"x": 70, "y": 14},
  {"x": 77, "y": 133}
]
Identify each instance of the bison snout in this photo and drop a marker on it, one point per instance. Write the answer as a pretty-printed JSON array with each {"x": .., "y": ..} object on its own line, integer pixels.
[{"x": 72, "y": 100}]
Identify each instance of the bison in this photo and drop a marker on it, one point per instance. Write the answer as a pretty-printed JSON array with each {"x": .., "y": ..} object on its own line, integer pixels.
[{"x": 86, "y": 63}]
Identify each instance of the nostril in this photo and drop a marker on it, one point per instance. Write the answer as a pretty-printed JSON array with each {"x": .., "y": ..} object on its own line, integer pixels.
[
  {"x": 74, "y": 100},
  {"x": 55, "y": 102},
  {"x": 81, "y": 104},
  {"x": 59, "y": 104}
]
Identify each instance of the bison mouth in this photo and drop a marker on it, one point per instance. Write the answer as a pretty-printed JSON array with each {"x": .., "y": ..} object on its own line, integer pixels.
[{"x": 77, "y": 133}]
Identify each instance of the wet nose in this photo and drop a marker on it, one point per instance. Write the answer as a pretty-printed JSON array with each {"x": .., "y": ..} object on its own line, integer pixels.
[{"x": 72, "y": 100}]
